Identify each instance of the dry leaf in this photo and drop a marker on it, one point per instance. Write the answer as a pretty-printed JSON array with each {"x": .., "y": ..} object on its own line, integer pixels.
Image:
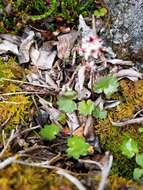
[
  {"x": 82, "y": 94},
  {"x": 11, "y": 38},
  {"x": 127, "y": 122},
  {"x": 111, "y": 104},
  {"x": 6, "y": 46},
  {"x": 81, "y": 77},
  {"x": 129, "y": 73},
  {"x": 72, "y": 121},
  {"x": 65, "y": 44},
  {"x": 34, "y": 54},
  {"x": 25, "y": 46},
  {"x": 46, "y": 59},
  {"x": 120, "y": 62},
  {"x": 79, "y": 131}
]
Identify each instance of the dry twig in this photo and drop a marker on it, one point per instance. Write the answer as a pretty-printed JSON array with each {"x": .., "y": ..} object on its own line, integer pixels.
[{"x": 8, "y": 143}]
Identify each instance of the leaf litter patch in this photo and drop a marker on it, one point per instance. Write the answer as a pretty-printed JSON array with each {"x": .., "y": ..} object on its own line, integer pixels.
[{"x": 71, "y": 80}]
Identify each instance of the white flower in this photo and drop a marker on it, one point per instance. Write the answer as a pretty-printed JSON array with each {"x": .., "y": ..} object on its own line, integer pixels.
[{"x": 91, "y": 46}]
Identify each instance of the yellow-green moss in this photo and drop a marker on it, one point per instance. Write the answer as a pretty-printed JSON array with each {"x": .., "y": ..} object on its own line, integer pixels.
[
  {"x": 14, "y": 107},
  {"x": 29, "y": 178},
  {"x": 111, "y": 137}
]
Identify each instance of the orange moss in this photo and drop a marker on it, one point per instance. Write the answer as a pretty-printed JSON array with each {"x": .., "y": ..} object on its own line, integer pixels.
[
  {"x": 116, "y": 183},
  {"x": 123, "y": 111},
  {"x": 133, "y": 92}
]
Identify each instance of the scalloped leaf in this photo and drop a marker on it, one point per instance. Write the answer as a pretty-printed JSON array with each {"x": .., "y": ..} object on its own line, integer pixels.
[
  {"x": 66, "y": 105},
  {"x": 49, "y": 132},
  {"x": 99, "y": 114},
  {"x": 106, "y": 84},
  {"x": 129, "y": 147},
  {"x": 139, "y": 159},
  {"x": 138, "y": 173},
  {"x": 77, "y": 147},
  {"x": 86, "y": 107}
]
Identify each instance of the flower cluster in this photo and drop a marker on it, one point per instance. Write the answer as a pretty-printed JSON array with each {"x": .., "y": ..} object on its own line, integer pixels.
[{"x": 91, "y": 46}]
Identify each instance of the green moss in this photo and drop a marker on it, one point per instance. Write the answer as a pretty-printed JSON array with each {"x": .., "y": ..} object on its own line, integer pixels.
[
  {"x": 69, "y": 10},
  {"x": 29, "y": 178},
  {"x": 23, "y": 12},
  {"x": 14, "y": 108},
  {"x": 32, "y": 7},
  {"x": 111, "y": 137}
]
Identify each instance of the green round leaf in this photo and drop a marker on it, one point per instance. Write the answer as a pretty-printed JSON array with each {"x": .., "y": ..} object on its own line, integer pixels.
[
  {"x": 86, "y": 107},
  {"x": 100, "y": 12},
  {"x": 97, "y": 13},
  {"x": 77, "y": 147},
  {"x": 138, "y": 173},
  {"x": 49, "y": 132},
  {"x": 70, "y": 94},
  {"x": 103, "y": 11},
  {"x": 99, "y": 114},
  {"x": 129, "y": 147},
  {"x": 141, "y": 129},
  {"x": 106, "y": 84},
  {"x": 66, "y": 105},
  {"x": 139, "y": 159}
]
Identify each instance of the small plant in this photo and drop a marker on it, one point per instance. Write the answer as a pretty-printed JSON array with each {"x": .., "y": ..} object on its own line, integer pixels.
[
  {"x": 77, "y": 147},
  {"x": 106, "y": 84},
  {"x": 129, "y": 147},
  {"x": 69, "y": 10},
  {"x": 66, "y": 104},
  {"x": 100, "y": 12},
  {"x": 141, "y": 130},
  {"x": 86, "y": 107},
  {"x": 71, "y": 94},
  {"x": 99, "y": 113},
  {"x": 138, "y": 172},
  {"x": 49, "y": 132}
]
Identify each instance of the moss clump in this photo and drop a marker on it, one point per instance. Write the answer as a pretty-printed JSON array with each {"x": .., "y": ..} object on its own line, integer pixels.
[
  {"x": 111, "y": 137},
  {"x": 120, "y": 183},
  {"x": 133, "y": 92},
  {"x": 123, "y": 111},
  {"x": 29, "y": 178},
  {"x": 14, "y": 108},
  {"x": 32, "y": 7},
  {"x": 10, "y": 70}
]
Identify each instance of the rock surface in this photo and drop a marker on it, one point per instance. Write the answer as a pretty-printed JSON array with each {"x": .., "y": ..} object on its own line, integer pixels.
[{"x": 127, "y": 27}]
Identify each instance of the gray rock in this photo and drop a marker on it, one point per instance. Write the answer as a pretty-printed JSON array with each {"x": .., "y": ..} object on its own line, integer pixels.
[{"x": 127, "y": 25}]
